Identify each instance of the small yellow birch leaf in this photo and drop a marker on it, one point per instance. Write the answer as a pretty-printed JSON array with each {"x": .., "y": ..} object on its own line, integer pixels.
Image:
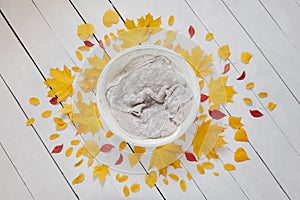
[
  {"x": 122, "y": 145},
  {"x": 109, "y": 134},
  {"x": 207, "y": 165},
  {"x": 30, "y": 121},
  {"x": 245, "y": 57},
  {"x": 200, "y": 169},
  {"x": 240, "y": 155},
  {"x": 174, "y": 177},
  {"x": 46, "y": 113},
  {"x": 101, "y": 171},
  {"x": 54, "y": 136},
  {"x": 164, "y": 155},
  {"x": 76, "y": 69},
  {"x": 235, "y": 122},
  {"x": 158, "y": 42},
  {"x": 171, "y": 35},
  {"x": 271, "y": 106},
  {"x": 69, "y": 152},
  {"x": 247, "y": 101},
  {"x": 90, "y": 149},
  {"x": 165, "y": 181},
  {"x": 189, "y": 176},
  {"x": 135, "y": 188},
  {"x": 110, "y": 17},
  {"x": 90, "y": 162},
  {"x": 83, "y": 48},
  {"x": 229, "y": 167},
  {"x": 182, "y": 185},
  {"x": 60, "y": 83},
  {"x": 78, "y": 163},
  {"x": 107, "y": 40},
  {"x": 171, "y": 20},
  {"x": 168, "y": 44},
  {"x": 78, "y": 179},
  {"x": 79, "y": 55},
  {"x": 241, "y": 135},
  {"x": 263, "y": 94},
  {"x": 123, "y": 178},
  {"x": 209, "y": 36},
  {"x": 250, "y": 85},
  {"x": 205, "y": 138},
  {"x": 224, "y": 52},
  {"x": 84, "y": 31},
  {"x": 75, "y": 142},
  {"x": 126, "y": 191},
  {"x": 163, "y": 171},
  {"x": 150, "y": 179},
  {"x": 216, "y": 174},
  {"x": 34, "y": 101}
]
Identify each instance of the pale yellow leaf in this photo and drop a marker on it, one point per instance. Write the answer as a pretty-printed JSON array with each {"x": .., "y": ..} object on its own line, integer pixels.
[
  {"x": 158, "y": 42},
  {"x": 90, "y": 149},
  {"x": 150, "y": 179},
  {"x": 84, "y": 31},
  {"x": 107, "y": 40},
  {"x": 168, "y": 44},
  {"x": 240, "y": 155},
  {"x": 245, "y": 57},
  {"x": 90, "y": 162},
  {"x": 224, "y": 52},
  {"x": 101, "y": 171},
  {"x": 171, "y": 35},
  {"x": 220, "y": 142},
  {"x": 110, "y": 17},
  {"x": 116, "y": 47},
  {"x": 134, "y": 37}
]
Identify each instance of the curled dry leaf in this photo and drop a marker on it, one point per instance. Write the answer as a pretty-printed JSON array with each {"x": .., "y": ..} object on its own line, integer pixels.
[
  {"x": 242, "y": 76},
  {"x": 78, "y": 179},
  {"x": 190, "y": 156},
  {"x": 226, "y": 68},
  {"x": 256, "y": 113},
  {"x": 34, "y": 101},
  {"x": 120, "y": 160},
  {"x": 216, "y": 114},
  {"x": 88, "y": 43},
  {"x": 191, "y": 31},
  {"x": 58, "y": 148},
  {"x": 30, "y": 121},
  {"x": 240, "y": 155}
]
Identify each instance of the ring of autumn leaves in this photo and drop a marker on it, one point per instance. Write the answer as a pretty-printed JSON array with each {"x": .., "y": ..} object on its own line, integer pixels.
[{"x": 208, "y": 135}]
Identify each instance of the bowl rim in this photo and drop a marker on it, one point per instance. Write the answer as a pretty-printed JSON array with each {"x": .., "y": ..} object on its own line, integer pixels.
[{"x": 107, "y": 117}]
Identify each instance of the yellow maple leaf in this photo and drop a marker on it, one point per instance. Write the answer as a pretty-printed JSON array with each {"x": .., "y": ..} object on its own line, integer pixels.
[
  {"x": 219, "y": 93},
  {"x": 101, "y": 171},
  {"x": 224, "y": 52},
  {"x": 198, "y": 61},
  {"x": 84, "y": 31},
  {"x": 90, "y": 149},
  {"x": 88, "y": 118},
  {"x": 91, "y": 75},
  {"x": 151, "y": 179},
  {"x": 205, "y": 138},
  {"x": 235, "y": 122},
  {"x": 164, "y": 155},
  {"x": 134, "y": 37},
  {"x": 245, "y": 57},
  {"x": 240, "y": 155},
  {"x": 60, "y": 84}
]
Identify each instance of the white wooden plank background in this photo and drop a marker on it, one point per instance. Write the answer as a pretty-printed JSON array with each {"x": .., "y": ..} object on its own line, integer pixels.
[{"x": 39, "y": 34}]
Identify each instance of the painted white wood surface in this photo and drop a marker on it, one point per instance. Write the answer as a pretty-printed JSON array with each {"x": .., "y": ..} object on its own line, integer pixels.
[{"x": 49, "y": 34}]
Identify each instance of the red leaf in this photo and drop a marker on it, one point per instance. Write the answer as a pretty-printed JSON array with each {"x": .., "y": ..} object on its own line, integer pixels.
[
  {"x": 88, "y": 43},
  {"x": 120, "y": 160},
  {"x": 216, "y": 114},
  {"x": 190, "y": 157},
  {"x": 226, "y": 68},
  {"x": 53, "y": 101},
  {"x": 255, "y": 113},
  {"x": 196, "y": 119},
  {"x": 242, "y": 77},
  {"x": 203, "y": 97},
  {"x": 101, "y": 44},
  {"x": 58, "y": 149},
  {"x": 191, "y": 31},
  {"x": 106, "y": 148}
]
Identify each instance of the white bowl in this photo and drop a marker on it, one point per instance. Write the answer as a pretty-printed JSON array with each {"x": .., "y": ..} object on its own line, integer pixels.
[{"x": 116, "y": 65}]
